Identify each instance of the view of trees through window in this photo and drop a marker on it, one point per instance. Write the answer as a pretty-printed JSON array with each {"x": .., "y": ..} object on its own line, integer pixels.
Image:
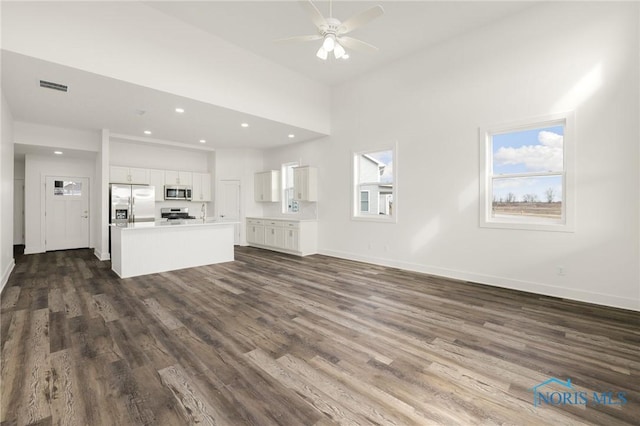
[{"x": 527, "y": 173}]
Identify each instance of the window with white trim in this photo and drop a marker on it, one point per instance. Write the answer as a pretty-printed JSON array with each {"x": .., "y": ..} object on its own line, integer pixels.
[
  {"x": 526, "y": 174},
  {"x": 289, "y": 205},
  {"x": 374, "y": 185}
]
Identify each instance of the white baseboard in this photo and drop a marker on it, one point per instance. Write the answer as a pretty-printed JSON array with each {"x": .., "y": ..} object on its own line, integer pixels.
[
  {"x": 6, "y": 273},
  {"x": 100, "y": 255},
  {"x": 495, "y": 281}
]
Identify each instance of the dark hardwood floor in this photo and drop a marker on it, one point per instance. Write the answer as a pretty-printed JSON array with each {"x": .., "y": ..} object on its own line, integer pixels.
[{"x": 276, "y": 339}]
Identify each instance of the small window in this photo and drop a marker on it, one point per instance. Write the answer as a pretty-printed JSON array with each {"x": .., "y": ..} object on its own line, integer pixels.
[
  {"x": 374, "y": 180},
  {"x": 289, "y": 205},
  {"x": 67, "y": 188},
  {"x": 526, "y": 174},
  {"x": 364, "y": 201}
]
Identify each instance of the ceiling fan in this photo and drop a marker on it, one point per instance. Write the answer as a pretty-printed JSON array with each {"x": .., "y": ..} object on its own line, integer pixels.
[{"x": 332, "y": 31}]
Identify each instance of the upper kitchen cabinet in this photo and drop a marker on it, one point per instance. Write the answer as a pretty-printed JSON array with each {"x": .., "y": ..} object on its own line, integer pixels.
[
  {"x": 172, "y": 177},
  {"x": 305, "y": 183},
  {"x": 267, "y": 186},
  {"x": 128, "y": 175},
  {"x": 201, "y": 189},
  {"x": 156, "y": 179}
]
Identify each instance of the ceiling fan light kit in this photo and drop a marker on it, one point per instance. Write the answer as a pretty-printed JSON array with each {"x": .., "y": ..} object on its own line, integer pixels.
[{"x": 331, "y": 31}]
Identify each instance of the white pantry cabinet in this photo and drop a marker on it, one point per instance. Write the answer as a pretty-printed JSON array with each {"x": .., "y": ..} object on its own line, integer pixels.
[
  {"x": 305, "y": 183},
  {"x": 201, "y": 189},
  {"x": 156, "y": 179},
  {"x": 299, "y": 237},
  {"x": 266, "y": 186},
  {"x": 128, "y": 175},
  {"x": 173, "y": 177}
]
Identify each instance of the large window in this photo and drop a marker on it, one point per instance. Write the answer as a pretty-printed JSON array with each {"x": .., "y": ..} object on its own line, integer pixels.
[
  {"x": 526, "y": 175},
  {"x": 374, "y": 185},
  {"x": 289, "y": 205}
]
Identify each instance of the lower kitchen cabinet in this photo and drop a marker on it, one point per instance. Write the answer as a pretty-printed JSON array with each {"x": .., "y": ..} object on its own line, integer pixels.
[
  {"x": 255, "y": 232},
  {"x": 298, "y": 237}
]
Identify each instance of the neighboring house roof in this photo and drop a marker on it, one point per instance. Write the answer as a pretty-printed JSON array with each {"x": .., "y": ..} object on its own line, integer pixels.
[
  {"x": 380, "y": 164},
  {"x": 368, "y": 157}
]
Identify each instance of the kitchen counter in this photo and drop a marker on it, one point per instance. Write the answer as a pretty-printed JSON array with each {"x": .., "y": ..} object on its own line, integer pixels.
[
  {"x": 152, "y": 247},
  {"x": 285, "y": 218},
  {"x": 172, "y": 223}
]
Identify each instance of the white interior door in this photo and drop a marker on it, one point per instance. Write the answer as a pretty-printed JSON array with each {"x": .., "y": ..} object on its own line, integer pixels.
[
  {"x": 66, "y": 213},
  {"x": 18, "y": 211},
  {"x": 229, "y": 205}
]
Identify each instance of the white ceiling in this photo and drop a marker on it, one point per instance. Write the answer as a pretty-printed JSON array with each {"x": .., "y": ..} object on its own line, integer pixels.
[
  {"x": 404, "y": 28},
  {"x": 95, "y": 102}
]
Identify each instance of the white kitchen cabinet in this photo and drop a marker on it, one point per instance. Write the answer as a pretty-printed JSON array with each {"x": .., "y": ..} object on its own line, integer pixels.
[
  {"x": 156, "y": 179},
  {"x": 291, "y": 239},
  {"x": 305, "y": 183},
  {"x": 201, "y": 187},
  {"x": 255, "y": 232},
  {"x": 266, "y": 186},
  {"x": 274, "y": 233},
  {"x": 299, "y": 237},
  {"x": 173, "y": 177},
  {"x": 128, "y": 175}
]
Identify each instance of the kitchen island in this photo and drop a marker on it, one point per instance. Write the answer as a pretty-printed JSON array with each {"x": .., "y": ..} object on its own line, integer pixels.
[{"x": 151, "y": 247}]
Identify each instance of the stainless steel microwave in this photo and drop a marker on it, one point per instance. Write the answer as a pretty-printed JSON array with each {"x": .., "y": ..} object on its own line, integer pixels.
[{"x": 177, "y": 192}]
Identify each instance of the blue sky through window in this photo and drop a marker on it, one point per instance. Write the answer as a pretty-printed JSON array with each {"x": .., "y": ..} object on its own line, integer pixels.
[{"x": 537, "y": 150}]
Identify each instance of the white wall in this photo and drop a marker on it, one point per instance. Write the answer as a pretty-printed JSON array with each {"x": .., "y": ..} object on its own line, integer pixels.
[
  {"x": 6, "y": 199},
  {"x": 556, "y": 56},
  {"x": 124, "y": 40},
  {"x": 38, "y": 167},
  {"x": 56, "y": 137},
  {"x": 133, "y": 154},
  {"x": 239, "y": 164},
  {"x": 18, "y": 168}
]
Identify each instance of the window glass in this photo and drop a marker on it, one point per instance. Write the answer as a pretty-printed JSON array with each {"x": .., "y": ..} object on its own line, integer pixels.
[
  {"x": 289, "y": 205},
  {"x": 67, "y": 188},
  {"x": 374, "y": 184},
  {"x": 525, "y": 170}
]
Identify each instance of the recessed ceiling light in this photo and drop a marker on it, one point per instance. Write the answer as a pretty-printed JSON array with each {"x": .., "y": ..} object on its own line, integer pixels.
[
  {"x": 57, "y": 152},
  {"x": 291, "y": 135},
  {"x": 179, "y": 110},
  {"x": 345, "y": 56},
  {"x": 245, "y": 124},
  {"x": 147, "y": 132},
  {"x": 203, "y": 141}
]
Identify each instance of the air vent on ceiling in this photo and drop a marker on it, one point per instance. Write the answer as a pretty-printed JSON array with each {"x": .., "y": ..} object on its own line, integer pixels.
[{"x": 54, "y": 86}]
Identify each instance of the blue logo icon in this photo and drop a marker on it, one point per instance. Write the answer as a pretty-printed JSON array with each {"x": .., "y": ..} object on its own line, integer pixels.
[{"x": 570, "y": 396}]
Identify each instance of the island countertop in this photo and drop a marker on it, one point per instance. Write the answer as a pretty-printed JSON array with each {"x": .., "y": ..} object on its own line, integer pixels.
[
  {"x": 170, "y": 224},
  {"x": 151, "y": 247}
]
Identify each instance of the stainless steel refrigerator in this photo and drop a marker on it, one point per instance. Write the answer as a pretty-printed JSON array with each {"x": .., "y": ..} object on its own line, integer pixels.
[{"x": 132, "y": 203}]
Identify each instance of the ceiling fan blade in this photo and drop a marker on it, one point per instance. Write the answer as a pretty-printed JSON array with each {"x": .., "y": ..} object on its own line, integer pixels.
[
  {"x": 360, "y": 19},
  {"x": 297, "y": 39},
  {"x": 355, "y": 44},
  {"x": 316, "y": 16}
]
